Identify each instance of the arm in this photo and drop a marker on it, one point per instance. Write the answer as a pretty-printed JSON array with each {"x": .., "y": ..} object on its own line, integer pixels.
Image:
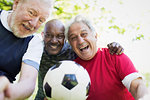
[
  {"x": 138, "y": 89},
  {"x": 4, "y": 82},
  {"x": 25, "y": 87},
  {"x": 116, "y": 48},
  {"x": 29, "y": 70}
]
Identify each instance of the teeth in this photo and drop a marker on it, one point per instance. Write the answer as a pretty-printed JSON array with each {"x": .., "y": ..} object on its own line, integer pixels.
[
  {"x": 54, "y": 47},
  {"x": 28, "y": 28},
  {"x": 84, "y": 48}
]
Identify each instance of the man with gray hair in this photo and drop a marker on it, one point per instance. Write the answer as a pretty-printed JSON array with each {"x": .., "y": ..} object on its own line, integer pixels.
[
  {"x": 20, "y": 50},
  {"x": 56, "y": 49},
  {"x": 112, "y": 77}
]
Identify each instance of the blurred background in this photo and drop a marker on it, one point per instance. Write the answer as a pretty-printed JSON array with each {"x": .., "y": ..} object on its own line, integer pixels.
[{"x": 124, "y": 21}]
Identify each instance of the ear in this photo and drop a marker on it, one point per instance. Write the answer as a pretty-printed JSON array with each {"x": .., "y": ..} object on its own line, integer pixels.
[
  {"x": 15, "y": 4},
  {"x": 42, "y": 33},
  {"x": 96, "y": 35}
]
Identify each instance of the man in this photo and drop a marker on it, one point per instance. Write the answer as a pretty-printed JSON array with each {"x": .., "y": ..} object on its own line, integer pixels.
[
  {"x": 57, "y": 49},
  {"x": 16, "y": 43},
  {"x": 112, "y": 77}
]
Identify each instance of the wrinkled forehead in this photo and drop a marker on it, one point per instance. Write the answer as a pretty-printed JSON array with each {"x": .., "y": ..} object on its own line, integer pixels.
[
  {"x": 42, "y": 7},
  {"x": 78, "y": 26},
  {"x": 44, "y": 3}
]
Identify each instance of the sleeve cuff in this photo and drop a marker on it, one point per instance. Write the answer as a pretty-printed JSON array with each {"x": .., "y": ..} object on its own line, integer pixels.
[
  {"x": 129, "y": 78},
  {"x": 31, "y": 63}
]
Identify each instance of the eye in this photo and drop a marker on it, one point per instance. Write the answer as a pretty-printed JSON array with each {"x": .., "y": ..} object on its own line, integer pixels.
[
  {"x": 60, "y": 36},
  {"x": 84, "y": 34},
  {"x": 42, "y": 20},
  {"x": 73, "y": 38},
  {"x": 31, "y": 13},
  {"x": 48, "y": 36}
]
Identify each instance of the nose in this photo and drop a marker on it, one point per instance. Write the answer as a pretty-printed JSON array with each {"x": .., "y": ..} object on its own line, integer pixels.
[
  {"x": 80, "y": 40},
  {"x": 34, "y": 22},
  {"x": 54, "y": 40}
]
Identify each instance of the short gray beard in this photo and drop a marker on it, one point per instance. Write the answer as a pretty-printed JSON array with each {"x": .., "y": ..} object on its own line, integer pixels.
[{"x": 15, "y": 29}]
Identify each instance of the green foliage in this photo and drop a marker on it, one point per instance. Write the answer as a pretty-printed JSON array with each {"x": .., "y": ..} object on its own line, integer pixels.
[
  {"x": 66, "y": 9},
  {"x": 147, "y": 78},
  {"x": 120, "y": 30},
  {"x": 6, "y": 4},
  {"x": 140, "y": 36}
]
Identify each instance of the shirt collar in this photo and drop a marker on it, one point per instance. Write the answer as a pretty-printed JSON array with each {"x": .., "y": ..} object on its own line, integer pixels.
[{"x": 3, "y": 17}]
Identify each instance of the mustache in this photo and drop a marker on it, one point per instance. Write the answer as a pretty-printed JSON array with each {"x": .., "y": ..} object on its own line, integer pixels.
[{"x": 53, "y": 44}]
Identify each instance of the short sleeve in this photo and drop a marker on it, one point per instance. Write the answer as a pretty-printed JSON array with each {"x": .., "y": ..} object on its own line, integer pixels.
[
  {"x": 124, "y": 66},
  {"x": 34, "y": 52}
]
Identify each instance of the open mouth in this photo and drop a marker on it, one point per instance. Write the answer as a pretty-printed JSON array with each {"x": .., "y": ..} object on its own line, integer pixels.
[
  {"x": 84, "y": 48},
  {"x": 27, "y": 28},
  {"x": 53, "y": 46}
]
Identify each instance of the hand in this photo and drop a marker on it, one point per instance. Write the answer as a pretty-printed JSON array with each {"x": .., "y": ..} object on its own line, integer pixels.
[
  {"x": 4, "y": 82},
  {"x": 1, "y": 96},
  {"x": 45, "y": 98},
  {"x": 146, "y": 97},
  {"x": 115, "y": 48}
]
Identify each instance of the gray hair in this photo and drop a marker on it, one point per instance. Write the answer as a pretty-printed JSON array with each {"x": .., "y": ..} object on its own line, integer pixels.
[{"x": 79, "y": 19}]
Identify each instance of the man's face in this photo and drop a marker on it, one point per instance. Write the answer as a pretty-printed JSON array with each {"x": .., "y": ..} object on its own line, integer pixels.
[
  {"x": 82, "y": 40},
  {"x": 54, "y": 38},
  {"x": 28, "y": 16}
]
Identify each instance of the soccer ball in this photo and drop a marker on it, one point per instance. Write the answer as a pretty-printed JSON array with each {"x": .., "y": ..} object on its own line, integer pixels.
[{"x": 66, "y": 80}]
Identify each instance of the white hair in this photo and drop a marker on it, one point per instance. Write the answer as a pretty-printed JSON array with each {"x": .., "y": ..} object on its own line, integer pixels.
[{"x": 79, "y": 19}]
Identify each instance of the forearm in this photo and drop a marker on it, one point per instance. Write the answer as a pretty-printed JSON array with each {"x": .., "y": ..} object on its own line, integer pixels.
[
  {"x": 20, "y": 90},
  {"x": 3, "y": 83},
  {"x": 25, "y": 87},
  {"x": 138, "y": 88},
  {"x": 141, "y": 91}
]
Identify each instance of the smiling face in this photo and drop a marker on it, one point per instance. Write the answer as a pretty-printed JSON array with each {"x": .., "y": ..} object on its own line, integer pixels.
[
  {"x": 27, "y": 17},
  {"x": 82, "y": 40},
  {"x": 54, "y": 37}
]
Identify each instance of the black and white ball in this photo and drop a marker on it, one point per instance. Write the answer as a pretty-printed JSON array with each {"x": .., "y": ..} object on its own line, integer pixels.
[{"x": 66, "y": 80}]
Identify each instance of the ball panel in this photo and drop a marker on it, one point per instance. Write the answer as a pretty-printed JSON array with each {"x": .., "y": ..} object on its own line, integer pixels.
[
  {"x": 82, "y": 76},
  {"x": 88, "y": 89},
  {"x": 61, "y": 93},
  {"x": 78, "y": 93},
  {"x": 56, "y": 66},
  {"x": 68, "y": 67},
  {"x": 54, "y": 77},
  {"x": 69, "y": 81},
  {"x": 48, "y": 90}
]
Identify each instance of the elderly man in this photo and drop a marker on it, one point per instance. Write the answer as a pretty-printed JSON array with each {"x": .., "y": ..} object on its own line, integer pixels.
[
  {"x": 112, "y": 77},
  {"x": 19, "y": 49},
  {"x": 57, "y": 49}
]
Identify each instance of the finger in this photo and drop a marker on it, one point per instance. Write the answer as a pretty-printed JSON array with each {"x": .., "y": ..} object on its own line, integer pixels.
[
  {"x": 114, "y": 47},
  {"x": 109, "y": 45},
  {"x": 1, "y": 96},
  {"x": 3, "y": 83},
  {"x": 45, "y": 98},
  {"x": 120, "y": 51}
]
